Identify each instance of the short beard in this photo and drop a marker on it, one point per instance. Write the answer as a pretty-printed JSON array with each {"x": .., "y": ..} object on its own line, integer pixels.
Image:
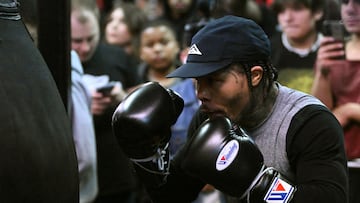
[
  {"x": 244, "y": 118},
  {"x": 257, "y": 109}
]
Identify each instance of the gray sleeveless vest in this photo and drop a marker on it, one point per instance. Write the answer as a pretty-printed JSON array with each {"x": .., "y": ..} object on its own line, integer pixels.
[{"x": 271, "y": 135}]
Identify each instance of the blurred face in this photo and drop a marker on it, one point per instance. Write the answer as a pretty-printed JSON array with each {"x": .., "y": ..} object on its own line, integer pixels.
[
  {"x": 158, "y": 47},
  {"x": 350, "y": 13},
  {"x": 297, "y": 21},
  {"x": 152, "y": 8},
  {"x": 116, "y": 31},
  {"x": 179, "y": 6},
  {"x": 225, "y": 92},
  {"x": 84, "y": 36}
]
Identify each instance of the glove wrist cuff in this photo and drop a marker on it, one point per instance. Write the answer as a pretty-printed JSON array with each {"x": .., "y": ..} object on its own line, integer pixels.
[{"x": 270, "y": 185}]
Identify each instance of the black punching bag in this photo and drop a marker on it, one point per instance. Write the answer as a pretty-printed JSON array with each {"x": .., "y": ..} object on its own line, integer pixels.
[{"x": 37, "y": 154}]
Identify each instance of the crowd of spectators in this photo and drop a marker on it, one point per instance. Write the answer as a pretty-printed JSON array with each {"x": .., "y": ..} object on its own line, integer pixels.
[{"x": 130, "y": 42}]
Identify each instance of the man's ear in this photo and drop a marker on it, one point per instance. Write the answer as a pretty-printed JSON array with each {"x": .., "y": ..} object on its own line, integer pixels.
[{"x": 256, "y": 75}]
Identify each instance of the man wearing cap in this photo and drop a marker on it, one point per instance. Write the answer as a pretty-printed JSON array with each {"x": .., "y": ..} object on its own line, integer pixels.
[{"x": 252, "y": 138}]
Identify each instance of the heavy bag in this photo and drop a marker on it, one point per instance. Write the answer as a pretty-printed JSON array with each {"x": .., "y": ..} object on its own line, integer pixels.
[{"x": 37, "y": 154}]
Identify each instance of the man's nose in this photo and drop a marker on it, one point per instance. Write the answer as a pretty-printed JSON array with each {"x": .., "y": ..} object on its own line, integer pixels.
[
  {"x": 85, "y": 46},
  {"x": 202, "y": 91},
  {"x": 158, "y": 46}
]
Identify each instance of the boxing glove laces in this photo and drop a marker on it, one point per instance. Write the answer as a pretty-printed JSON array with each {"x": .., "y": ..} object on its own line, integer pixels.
[{"x": 142, "y": 126}]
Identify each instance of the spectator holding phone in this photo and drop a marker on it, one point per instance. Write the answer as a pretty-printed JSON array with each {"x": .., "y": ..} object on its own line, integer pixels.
[
  {"x": 117, "y": 183},
  {"x": 337, "y": 83},
  {"x": 295, "y": 46}
]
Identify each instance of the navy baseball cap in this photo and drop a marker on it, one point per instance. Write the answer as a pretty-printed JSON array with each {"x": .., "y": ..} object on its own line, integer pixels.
[{"x": 221, "y": 42}]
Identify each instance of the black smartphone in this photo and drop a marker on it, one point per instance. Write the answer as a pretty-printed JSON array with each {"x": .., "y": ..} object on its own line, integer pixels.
[
  {"x": 335, "y": 29},
  {"x": 106, "y": 89}
]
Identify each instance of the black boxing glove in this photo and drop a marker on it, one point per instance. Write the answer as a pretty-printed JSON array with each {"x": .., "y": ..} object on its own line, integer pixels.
[
  {"x": 142, "y": 125},
  {"x": 222, "y": 155}
]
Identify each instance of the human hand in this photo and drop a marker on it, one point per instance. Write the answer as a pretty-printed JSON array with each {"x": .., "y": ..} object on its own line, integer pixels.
[
  {"x": 100, "y": 102},
  {"x": 117, "y": 94},
  {"x": 329, "y": 52},
  {"x": 107, "y": 96},
  {"x": 347, "y": 112}
]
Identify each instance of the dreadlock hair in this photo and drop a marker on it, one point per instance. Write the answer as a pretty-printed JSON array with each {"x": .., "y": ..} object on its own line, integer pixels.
[{"x": 270, "y": 73}]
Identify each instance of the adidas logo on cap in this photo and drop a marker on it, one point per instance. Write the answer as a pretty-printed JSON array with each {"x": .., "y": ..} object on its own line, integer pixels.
[{"x": 194, "y": 50}]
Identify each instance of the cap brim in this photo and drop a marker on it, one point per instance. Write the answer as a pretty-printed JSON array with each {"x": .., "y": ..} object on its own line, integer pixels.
[{"x": 193, "y": 70}]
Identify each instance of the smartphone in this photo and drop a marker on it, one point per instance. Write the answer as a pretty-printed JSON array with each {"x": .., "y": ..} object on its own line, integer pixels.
[
  {"x": 335, "y": 29},
  {"x": 106, "y": 89}
]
